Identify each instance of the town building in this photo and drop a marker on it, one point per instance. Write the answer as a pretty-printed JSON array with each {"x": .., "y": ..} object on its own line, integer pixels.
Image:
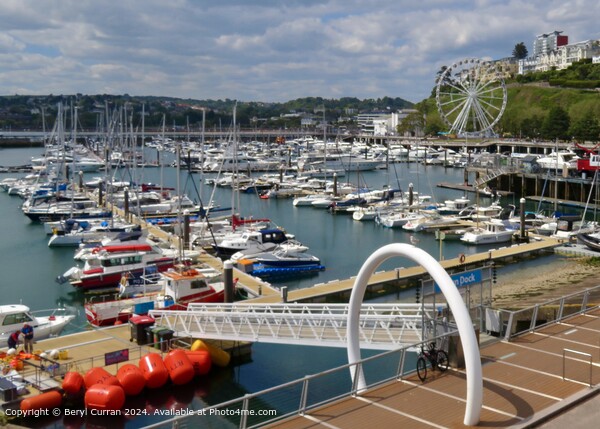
[{"x": 554, "y": 52}]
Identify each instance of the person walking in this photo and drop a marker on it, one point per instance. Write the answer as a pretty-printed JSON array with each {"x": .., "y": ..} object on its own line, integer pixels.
[
  {"x": 27, "y": 332},
  {"x": 13, "y": 340}
]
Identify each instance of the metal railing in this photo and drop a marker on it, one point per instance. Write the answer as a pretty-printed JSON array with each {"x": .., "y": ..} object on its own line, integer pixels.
[
  {"x": 300, "y": 396},
  {"x": 382, "y": 326},
  {"x": 42, "y": 368},
  {"x": 517, "y": 322},
  {"x": 564, "y": 364}
]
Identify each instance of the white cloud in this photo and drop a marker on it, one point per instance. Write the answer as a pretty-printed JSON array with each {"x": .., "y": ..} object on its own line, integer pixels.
[{"x": 265, "y": 50}]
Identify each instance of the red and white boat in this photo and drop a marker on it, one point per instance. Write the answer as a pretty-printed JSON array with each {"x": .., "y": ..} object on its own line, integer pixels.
[
  {"x": 180, "y": 288},
  {"x": 106, "y": 265}
]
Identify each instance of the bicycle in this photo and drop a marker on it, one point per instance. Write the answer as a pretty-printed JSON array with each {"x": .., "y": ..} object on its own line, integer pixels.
[{"x": 436, "y": 358}]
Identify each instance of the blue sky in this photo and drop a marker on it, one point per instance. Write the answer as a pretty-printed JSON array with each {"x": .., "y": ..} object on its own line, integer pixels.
[{"x": 265, "y": 50}]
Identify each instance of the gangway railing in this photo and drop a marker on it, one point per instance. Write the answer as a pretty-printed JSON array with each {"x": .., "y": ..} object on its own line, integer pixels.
[{"x": 382, "y": 326}]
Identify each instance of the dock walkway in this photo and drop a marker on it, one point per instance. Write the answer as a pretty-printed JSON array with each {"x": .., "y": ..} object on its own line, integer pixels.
[{"x": 525, "y": 381}]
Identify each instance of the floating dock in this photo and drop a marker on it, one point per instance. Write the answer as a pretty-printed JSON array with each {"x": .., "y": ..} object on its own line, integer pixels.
[{"x": 340, "y": 290}]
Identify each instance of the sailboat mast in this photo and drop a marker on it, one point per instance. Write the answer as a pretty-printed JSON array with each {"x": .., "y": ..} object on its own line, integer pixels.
[{"x": 235, "y": 165}]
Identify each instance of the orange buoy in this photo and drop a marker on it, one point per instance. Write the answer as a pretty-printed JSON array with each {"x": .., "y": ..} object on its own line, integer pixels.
[
  {"x": 99, "y": 375},
  {"x": 73, "y": 382},
  {"x": 200, "y": 361},
  {"x": 131, "y": 379},
  {"x": 179, "y": 366},
  {"x": 154, "y": 370},
  {"x": 48, "y": 401},
  {"x": 104, "y": 397}
]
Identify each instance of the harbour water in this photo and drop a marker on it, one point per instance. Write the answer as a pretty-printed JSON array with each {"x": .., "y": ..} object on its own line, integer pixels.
[{"x": 29, "y": 267}]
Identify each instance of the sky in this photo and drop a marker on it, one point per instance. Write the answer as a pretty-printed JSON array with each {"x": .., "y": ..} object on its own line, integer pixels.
[{"x": 265, "y": 50}]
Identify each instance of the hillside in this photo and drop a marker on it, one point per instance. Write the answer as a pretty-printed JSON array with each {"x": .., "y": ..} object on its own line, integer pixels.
[
  {"x": 528, "y": 108},
  {"x": 25, "y": 111}
]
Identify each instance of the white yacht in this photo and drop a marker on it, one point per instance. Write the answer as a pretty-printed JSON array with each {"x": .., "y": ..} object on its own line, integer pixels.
[
  {"x": 493, "y": 232},
  {"x": 559, "y": 160}
]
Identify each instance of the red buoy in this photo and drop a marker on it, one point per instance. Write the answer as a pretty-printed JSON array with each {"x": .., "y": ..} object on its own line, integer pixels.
[
  {"x": 48, "y": 401},
  {"x": 131, "y": 379},
  {"x": 73, "y": 382},
  {"x": 154, "y": 370},
  {"x": 179, "y": 366},
  {"x": 104, "y": 397},
  {"x": 99, "y": 375},
  {"x": 200, "y": 361}
]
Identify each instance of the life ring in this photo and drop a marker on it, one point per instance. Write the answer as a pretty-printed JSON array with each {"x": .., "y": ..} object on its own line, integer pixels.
[{"x": 462, "y": 258}]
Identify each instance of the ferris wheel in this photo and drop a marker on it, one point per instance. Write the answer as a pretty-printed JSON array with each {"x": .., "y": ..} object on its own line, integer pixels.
[{"x": 471, "y": 97}]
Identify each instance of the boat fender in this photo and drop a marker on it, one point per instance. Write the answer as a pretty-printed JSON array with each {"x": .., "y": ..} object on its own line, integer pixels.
[
  {"x": 72, "y": 383},
  {"x": 200, "y": 361},
  {"x": 218, "y": 356},
  {"x": 462, "y": 258},
  {"x": 103, "y": 397},
  {"x": 99, "y": 375},
  {"x": 48, "y": 401},
  {"x": 154, "y": 370},
  {"x": 131, "y": 378},
  {"x": 179, "y": 366}
]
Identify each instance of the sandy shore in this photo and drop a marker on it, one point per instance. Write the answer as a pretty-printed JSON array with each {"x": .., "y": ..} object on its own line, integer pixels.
[{"x": 526, "y": 287}]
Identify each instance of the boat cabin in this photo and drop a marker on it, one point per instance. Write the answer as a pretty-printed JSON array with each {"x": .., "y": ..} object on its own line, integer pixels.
[{"x": 13, "y": 316}]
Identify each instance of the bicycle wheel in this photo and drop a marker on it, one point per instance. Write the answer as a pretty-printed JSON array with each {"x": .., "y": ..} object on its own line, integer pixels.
[
  {"x": 442, "y": 360},
  {"x": 422, "y": 368}
]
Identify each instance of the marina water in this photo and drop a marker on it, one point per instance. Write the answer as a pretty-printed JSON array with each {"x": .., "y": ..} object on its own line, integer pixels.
[{"x": 29, "y": 267}]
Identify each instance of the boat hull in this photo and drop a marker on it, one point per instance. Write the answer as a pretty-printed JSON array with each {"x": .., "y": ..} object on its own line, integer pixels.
[
  {"x": 590, "y": 240},
  {"x": 486, "y": 239},
  {"x": 120, "y": 311},
  {"x": 106, "y": 280}
]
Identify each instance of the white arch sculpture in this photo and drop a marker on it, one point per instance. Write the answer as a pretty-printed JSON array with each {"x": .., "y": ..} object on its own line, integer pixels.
[{"x": 459, "y": 310}]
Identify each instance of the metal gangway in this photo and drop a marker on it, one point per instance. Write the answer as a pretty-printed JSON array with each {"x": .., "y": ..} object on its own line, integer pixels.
[{"x": 382, "y": 326}]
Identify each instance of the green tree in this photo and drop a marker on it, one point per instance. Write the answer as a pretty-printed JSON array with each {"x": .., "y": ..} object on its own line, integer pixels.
[
  {"x": 586, "y": 128},
  {"x": 412, "y": 124},
  {"x": 447, "y": 80},
  {"x": 531, "y": 127},
  {"x": 556, "y": 124},
  {"x": 520, "y": 51}
]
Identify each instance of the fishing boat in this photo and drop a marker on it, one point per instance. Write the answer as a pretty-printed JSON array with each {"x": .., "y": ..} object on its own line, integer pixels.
[
  {"x": 179, "y": 287},
  {"x": 13, "y": 316},
  {"x": 107, "y": 264}
]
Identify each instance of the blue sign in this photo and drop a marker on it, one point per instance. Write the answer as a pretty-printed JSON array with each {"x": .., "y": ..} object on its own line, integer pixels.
[
  {"x": 116, "y": 357},
  {"x": 463, "y": 279}
]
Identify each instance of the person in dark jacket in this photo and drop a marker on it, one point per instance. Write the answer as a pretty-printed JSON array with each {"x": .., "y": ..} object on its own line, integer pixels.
[
  {"x": 13, "y": 340},
  {"x": 27, "y": 332}
]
